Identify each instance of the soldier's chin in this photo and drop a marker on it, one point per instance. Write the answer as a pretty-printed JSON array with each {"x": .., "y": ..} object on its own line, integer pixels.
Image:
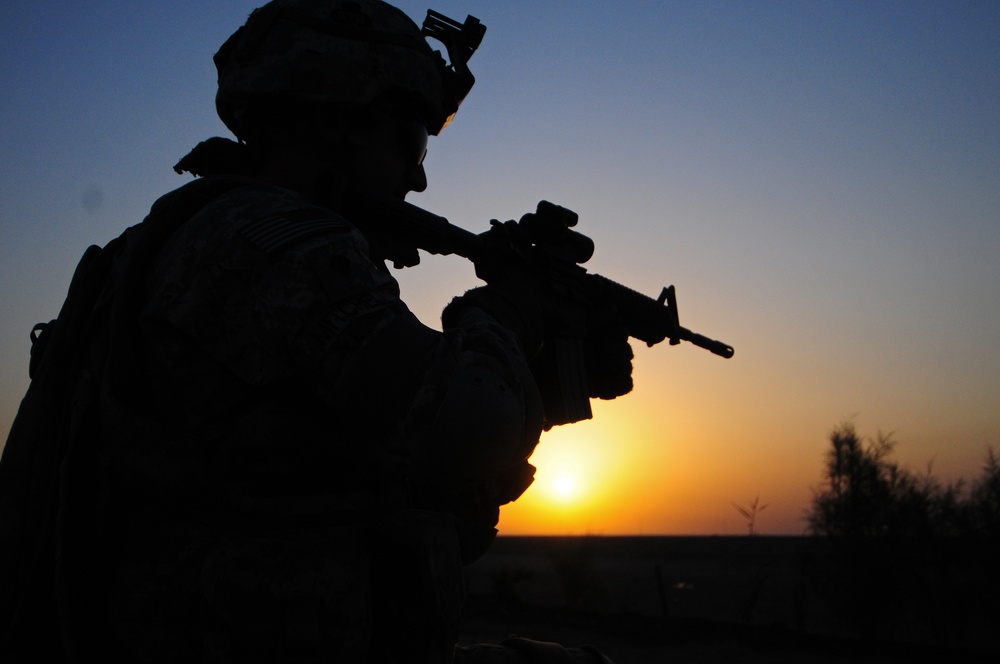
[{"x": 377, "y": 190}]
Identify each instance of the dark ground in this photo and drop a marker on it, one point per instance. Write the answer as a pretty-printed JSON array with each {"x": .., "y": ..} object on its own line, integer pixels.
[{"x": 702, "y": 599}]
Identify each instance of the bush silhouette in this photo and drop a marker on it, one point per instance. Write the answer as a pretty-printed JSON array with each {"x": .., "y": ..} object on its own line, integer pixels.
[
  {"x": 908, "y": 557},
  {"x": 867, "y": 495}
]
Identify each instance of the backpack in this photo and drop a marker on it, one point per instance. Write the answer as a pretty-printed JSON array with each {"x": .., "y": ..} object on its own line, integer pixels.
[{"x": 54, "y": 479}]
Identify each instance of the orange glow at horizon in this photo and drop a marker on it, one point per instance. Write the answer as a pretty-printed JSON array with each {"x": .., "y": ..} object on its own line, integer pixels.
[{"x": 634, "y": 471}]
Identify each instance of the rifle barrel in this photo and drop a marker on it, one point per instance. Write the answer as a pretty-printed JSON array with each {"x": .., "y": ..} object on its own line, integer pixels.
[{"x": 651, "y": 320}]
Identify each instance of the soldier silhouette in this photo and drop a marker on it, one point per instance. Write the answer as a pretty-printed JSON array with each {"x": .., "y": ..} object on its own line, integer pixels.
[{"x": 268, "y": 458}]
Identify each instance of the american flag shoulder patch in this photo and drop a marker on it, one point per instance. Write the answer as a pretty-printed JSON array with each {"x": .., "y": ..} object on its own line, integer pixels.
[{"x": 277, "y": 232}]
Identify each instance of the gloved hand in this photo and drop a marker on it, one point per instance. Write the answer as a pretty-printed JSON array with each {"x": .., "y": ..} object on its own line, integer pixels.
[
  {"x": 513, "y": 305},
  {"x": 550, "y": 332}
]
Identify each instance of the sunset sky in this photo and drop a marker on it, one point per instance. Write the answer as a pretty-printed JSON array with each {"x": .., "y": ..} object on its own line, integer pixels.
[{"x": 820, "y": 180}]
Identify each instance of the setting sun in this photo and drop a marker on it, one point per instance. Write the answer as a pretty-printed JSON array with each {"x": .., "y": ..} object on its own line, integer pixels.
[
  {"x": 564, "y": 486},
  {"x": 580, "y": 477}
]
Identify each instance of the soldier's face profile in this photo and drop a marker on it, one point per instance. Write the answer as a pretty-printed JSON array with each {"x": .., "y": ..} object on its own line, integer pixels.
[{"x": 389, "y": 155}]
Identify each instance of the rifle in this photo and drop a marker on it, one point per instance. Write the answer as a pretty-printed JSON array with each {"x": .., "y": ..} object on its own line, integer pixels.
[{"x": 542, "y": 249}]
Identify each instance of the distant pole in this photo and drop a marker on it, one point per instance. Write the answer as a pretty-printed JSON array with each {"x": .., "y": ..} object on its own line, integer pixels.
[
  {"x": 662, "y": 591},
  {"x": 750, "y": 513}
]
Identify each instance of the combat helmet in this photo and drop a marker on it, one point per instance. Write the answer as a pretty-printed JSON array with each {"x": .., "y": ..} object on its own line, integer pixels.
[{"x": 344, "y": 54}]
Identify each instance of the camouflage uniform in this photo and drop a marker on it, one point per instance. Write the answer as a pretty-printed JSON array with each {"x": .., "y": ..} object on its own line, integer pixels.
[{"x": 298, "y": 470}]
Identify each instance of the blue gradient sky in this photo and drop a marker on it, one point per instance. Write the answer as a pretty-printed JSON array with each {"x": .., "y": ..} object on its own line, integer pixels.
[{"x": 821, "y": 181}]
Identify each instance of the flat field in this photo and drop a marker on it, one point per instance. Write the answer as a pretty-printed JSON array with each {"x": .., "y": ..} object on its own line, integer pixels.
[{"x": 737, "y": 599}]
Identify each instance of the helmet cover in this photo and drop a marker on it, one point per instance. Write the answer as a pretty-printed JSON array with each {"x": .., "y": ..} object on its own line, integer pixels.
[{"x": 338, "y": 53}]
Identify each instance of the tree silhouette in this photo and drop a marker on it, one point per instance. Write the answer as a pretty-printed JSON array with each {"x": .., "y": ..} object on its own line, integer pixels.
[
  {"x": 864, "y": 494},
  {"x": 907, "y": 556}
]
